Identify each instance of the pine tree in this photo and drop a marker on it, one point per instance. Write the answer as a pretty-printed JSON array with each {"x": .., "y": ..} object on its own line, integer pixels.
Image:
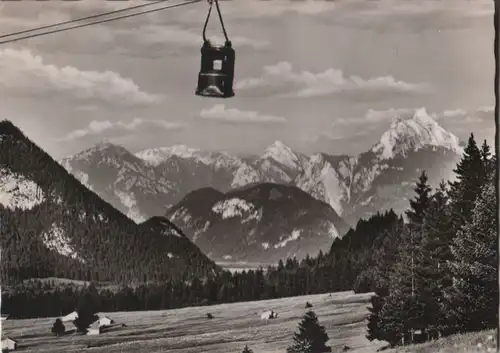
[
  {"x": 473, "y": 298},
  {"x": 489, "y": 162},
  {"x": 311, "y": 337},
  {"x": 375, "y": 328},
  {"x": 464, "y": 190},
  {"x": 432, "y": 273},
  {"x": 58, "y": 328},
  {"x": 403, "y": 309},
  {"x": 421, "y": 202},
  {"x": 87, "y": 307},
  {"x": 485, "y": 151},
  {"x": 247, "y": 350}
]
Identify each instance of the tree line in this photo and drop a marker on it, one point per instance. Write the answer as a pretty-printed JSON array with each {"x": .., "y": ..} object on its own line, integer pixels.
[
  {"x": 434, "y": 271},
  {"x": 443, "y": 278}
]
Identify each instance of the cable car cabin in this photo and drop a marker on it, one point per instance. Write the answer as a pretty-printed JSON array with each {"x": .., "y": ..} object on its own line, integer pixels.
[{"x": 217, "y": 71}]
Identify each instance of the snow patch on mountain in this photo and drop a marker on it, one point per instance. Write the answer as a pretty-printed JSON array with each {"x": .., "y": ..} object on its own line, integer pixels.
[
  {"x": 198, "y": 232},
  {"x": 332, "y": 231},
  {"x": 56, "y": 239},
  {"x": 16, "y": 191},
  {"x": 232, "y": 208},
  {"x": 157, "y": 156},
  {"x": 274, "y": 171},
  {"x": 181, "y": 213},
  {"x": 412, "y": 133},
  {"x": 294, "y": 236},
  {"x": 129, "y": 201},
  {"x": 282, "y": 154},
  {"x": 322, "y": 180},
  {"x": 245, "y": 175},
  {"x": 265, "y": 246},
  {"x": 256, "y": 215},
  {"x": 367, "y": 201}
]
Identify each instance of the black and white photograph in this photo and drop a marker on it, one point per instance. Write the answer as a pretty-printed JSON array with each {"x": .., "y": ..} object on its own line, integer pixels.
[{"x": 249, "y": 176}]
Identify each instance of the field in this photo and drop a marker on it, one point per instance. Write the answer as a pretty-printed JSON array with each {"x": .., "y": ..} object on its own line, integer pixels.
[{"x": 189, "y": 329}]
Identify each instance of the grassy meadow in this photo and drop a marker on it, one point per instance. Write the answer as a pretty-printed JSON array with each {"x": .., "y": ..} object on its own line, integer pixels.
[{"x": 188, "y": 330}]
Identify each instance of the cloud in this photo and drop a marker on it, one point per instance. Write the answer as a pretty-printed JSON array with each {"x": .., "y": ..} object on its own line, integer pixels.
[
  {"x": 452, "y": 113},
  {"x": 220, "y": 113},
  {"x": 153, "y": 34},
  {"x": 237, "y": 10},
  {"x": 480, "y": 115},
  {"x": 486, "y": 109},
  {"x": 308, "y": 84},
  {"x": 460, "y": 116},
  {"x": 27, "y": 73},
  {"x": 425, "y": 7},
  {"x": 261, "y": 9},
  {"x": 96, "y": 128},
  {"x": 384, "y": 115}
]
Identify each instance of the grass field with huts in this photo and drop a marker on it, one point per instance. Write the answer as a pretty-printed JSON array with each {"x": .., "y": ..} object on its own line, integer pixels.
[{"x": 189, "y": 330}]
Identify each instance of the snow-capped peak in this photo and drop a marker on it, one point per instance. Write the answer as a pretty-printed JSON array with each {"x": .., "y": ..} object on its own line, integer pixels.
[
  {"x": 103, "y": 147},
  {"x": 282, "y": 154},
  {"x": 413, "y": 132},
  {"x": 156, "y": 156}
]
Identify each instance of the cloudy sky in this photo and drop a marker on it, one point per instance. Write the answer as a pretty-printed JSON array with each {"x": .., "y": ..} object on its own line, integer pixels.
[{"x": 317, "y": 75}]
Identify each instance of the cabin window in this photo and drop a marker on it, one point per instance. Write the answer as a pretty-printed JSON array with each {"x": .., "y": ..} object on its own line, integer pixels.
[{"x": 217, "y": 65}]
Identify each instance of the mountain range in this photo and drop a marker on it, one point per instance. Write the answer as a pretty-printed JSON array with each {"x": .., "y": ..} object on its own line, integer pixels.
[
  {"x": 158, "y": 181},
  {"x": 53, "y": 226}
]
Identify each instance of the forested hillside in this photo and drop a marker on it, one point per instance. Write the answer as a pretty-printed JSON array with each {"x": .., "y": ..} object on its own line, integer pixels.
[{"x": 52, "y": 226}]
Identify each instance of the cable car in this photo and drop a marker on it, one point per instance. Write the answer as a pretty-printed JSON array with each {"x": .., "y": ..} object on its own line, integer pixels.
[
  {"x": 217, "y": 71},
  {"x": 216, "y": 75}
]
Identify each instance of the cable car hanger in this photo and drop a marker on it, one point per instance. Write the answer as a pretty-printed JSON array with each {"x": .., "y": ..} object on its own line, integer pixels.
[{"x": 216, "y": 75}]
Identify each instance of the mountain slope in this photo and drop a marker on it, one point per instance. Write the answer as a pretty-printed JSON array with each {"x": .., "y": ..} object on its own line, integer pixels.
[
  {"x": 259, "y": 223},
  {"x": 52, "y": 226}
]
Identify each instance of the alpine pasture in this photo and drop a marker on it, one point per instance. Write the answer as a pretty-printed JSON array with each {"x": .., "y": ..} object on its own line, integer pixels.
[{"x": 188, "y": 330}]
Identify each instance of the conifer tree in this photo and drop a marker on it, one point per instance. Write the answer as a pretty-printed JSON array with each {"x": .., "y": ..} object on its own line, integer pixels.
[
  {"x": 87, "y": 307},
  {"x": 403, "y": 309},
  {"x": 433, "y": 275},
  {"x": 473, "y": 298},
  {"x": 375, "y": 328},
  {"x": 464, "y": 190},
  {"x": 247, "y": 350},
  {"x": 311, "y": 337},
  {"x": 58, "y": 328},
  {"x": 489, "y": 162},
  {"x": 420, "y": 203}
]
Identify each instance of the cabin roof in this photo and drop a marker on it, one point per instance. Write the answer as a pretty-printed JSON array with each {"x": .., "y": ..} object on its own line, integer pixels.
[{"x": 94, "y": 325}]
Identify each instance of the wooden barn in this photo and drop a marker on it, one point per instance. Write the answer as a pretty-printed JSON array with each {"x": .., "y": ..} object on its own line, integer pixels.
[
  {"x": 69, "y": 328},
  {"x": 105, "y": 321},
  {"x": 70, "y": 317},
  {"x": 270, "y": 314},
  {"x": 94, "y": 329},
  {"x": 8, "y": 344}
]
